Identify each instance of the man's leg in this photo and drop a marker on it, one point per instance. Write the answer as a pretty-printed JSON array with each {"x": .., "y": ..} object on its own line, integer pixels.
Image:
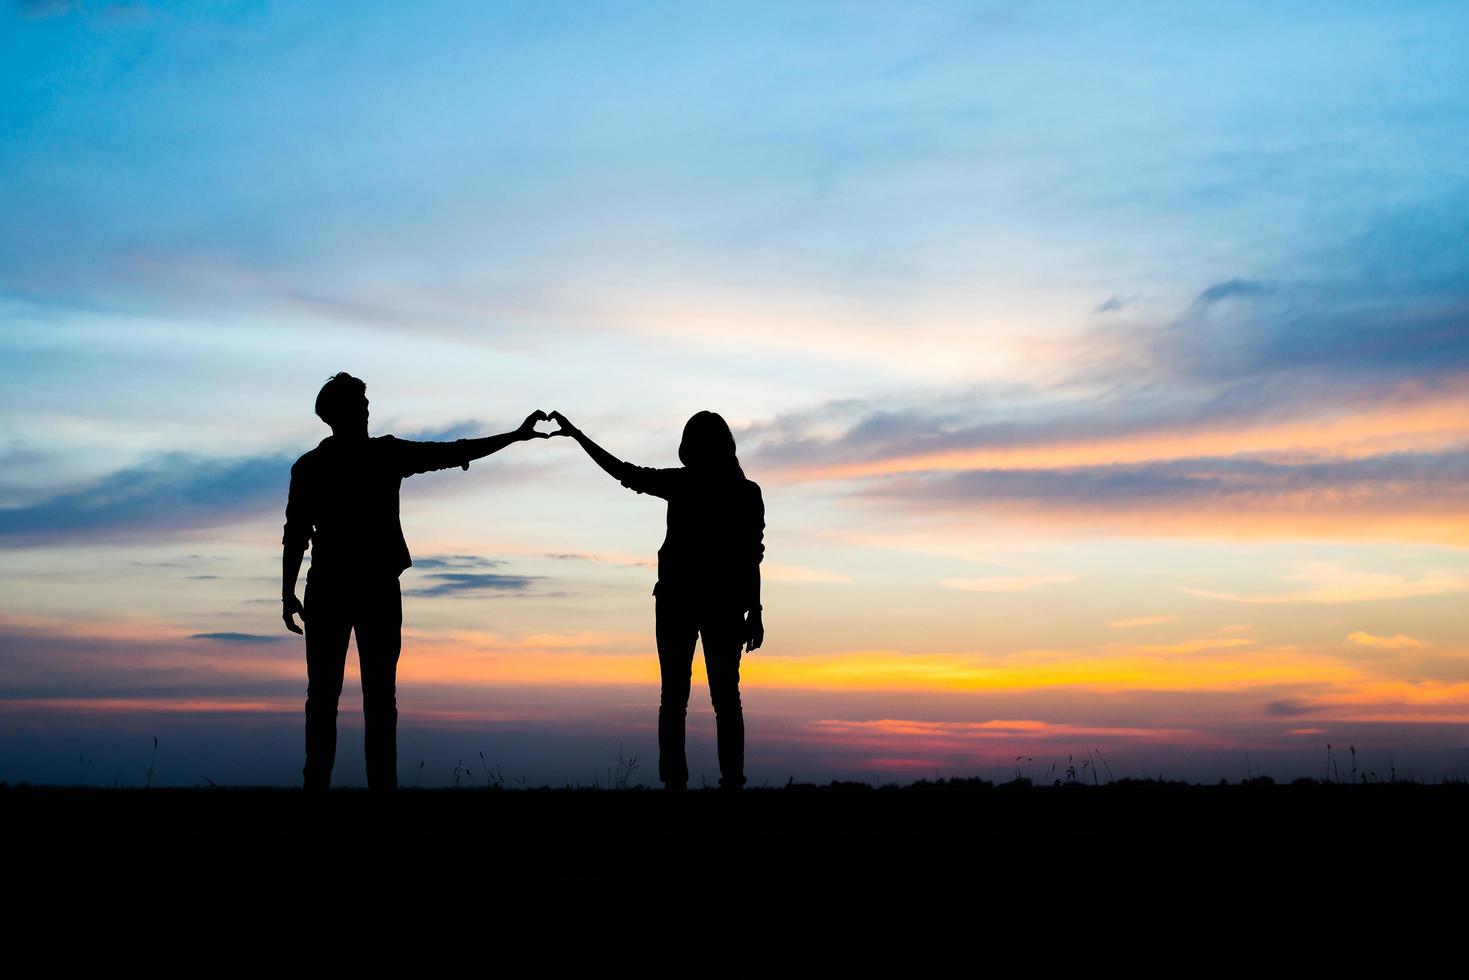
[
  {"x": 677, "y": 634},
  {"x": 722, "y": 647},
  {"x": 328, "y": 628},
  {"x": 379, "y": 641}
]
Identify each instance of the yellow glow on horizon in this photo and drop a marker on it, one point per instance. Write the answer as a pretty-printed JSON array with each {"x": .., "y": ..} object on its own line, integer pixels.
[
  {"x": 1168, "y": 668},
  {"x": 449, "y": 668}
]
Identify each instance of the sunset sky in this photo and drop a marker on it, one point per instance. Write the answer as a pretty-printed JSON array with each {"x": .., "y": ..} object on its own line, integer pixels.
[{"x": 1105, "y": 368}]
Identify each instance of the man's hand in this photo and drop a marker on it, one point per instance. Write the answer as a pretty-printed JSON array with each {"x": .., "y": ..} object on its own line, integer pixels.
[
  {"x": 527, "y": 428},
  {"x": 566, "y": 428},
  {"x": 290, "y": 609},
  {"x": 754, "y": 630}
]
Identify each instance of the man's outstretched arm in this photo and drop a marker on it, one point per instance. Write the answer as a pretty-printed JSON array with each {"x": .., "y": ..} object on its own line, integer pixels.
[{"x": 422, "y": 457}]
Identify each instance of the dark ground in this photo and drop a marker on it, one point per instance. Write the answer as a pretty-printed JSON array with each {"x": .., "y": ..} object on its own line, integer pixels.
[{"x": 1130, "y": 862}]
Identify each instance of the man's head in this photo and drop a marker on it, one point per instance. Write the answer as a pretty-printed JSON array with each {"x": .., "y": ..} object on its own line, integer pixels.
[{"x": 342, "y": 404}]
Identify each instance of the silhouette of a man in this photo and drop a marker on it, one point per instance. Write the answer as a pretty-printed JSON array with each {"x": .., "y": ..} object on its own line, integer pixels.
[{"x": 344, "y": 504}]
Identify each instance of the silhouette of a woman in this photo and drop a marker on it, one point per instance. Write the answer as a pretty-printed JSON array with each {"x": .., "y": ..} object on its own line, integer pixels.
[{"x": 708, "y": 583}]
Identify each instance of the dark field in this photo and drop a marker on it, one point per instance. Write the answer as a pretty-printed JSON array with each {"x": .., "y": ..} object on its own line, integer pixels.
[
  {"x": 1013, "y": 859},
  {"x": 1123, "y": 839}
]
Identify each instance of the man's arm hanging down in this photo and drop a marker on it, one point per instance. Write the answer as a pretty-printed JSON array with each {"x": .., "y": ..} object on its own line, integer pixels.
[{"x": 294, "y": 539}]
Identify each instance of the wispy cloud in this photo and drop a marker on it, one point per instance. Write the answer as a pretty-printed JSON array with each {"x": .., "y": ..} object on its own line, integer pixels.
[
  {"x": 472, "y": 583},
  {"x": 1411, "y": 497},
  {"x": 1332, "y": 584},
  {"x": 1069, "y": 434},
  {"x": 457, "y": 561},
  {"x": 1240, "y": 329},
  {"x": 1118, "y": 624},
  {"x": 610, "y": 559},
  {"x": 168, "y": 495},
  {"x": 1231, "y": 289},
  {"x": 779, "y": 572},
  {"x": 1288, "y": 708},
  {"x": 243, "y": 639},
  {"x": 1006, "y": 583},
  {"x": 1393, "y": 462},
  {"x": 1398, "y": 641},
  {"x": 48, "y": 658},
  {"x": 1202, "y": 645}
]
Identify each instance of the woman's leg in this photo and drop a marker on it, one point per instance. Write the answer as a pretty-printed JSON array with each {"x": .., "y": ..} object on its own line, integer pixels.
[
  {"x": 677, "y": 633},
  {"x": 722, "y": 647}
]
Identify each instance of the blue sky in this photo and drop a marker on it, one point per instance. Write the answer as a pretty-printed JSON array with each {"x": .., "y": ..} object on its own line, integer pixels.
[{"x": 1103, "y": 312}]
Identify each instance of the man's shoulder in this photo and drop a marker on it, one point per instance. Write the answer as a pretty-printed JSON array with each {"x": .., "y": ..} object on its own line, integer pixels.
[
  {"x": 309, "y": 458},
  {"x": 328, "y": 453},
  {"x": 391, "y": 444}
]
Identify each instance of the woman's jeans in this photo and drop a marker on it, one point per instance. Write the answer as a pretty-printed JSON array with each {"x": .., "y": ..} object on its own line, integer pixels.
[{"x": 680, "y": 623}]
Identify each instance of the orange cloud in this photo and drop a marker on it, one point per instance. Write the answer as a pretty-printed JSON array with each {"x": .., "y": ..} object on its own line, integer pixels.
[
  {"x": 1398, "y": 641},
  {"x": 1006, "y": 583},
  {"x": 1330, "y": 584},
  {"x": 1141, "y": 621},
  {"x": 1432, "y": 424}
]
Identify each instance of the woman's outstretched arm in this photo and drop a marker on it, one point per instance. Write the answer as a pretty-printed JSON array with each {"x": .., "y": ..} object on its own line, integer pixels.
[{"x": 615, "y": 467}]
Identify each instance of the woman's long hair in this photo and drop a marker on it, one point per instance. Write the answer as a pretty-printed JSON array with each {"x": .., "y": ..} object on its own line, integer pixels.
[{"x": 708, "y": 447}]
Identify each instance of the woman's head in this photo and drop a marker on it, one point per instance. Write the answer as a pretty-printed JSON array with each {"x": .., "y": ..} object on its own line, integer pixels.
[{"x": 708, "y": 444}]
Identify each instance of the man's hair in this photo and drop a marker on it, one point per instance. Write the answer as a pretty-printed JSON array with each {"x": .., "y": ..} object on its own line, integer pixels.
[{"x": 337, "y": 400}]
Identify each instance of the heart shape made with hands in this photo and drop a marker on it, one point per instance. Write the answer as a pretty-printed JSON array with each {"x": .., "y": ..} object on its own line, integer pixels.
[
  {"x": 563, "y": 427},
  {"x": 540, "y": 426}
]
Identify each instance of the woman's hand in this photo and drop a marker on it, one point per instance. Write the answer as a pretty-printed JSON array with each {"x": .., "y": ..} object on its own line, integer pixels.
[
  {"x": 754, "y": 630},
  {"x": 567, "y": 429}
]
